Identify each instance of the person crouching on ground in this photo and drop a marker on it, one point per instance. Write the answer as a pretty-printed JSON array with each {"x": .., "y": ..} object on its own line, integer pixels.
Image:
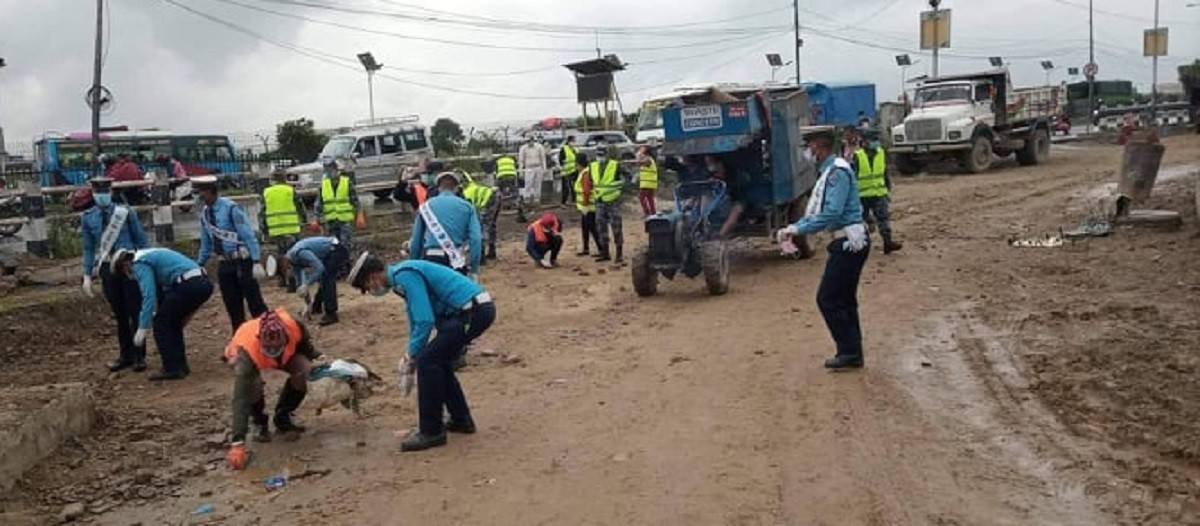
[
  {"x": 316, "y": 261},
  {"x": 277, "y": 341},
  {"x": 460, "y": 309},
  {"x": 544, "y": 238}
]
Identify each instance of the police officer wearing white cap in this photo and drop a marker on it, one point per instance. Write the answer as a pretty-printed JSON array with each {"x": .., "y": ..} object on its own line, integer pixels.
[
  {"x": 106, "y": 228},
  {"x": 834, "y": 207},
  {"x": 446, "y": 229},
  {"x": 225, "y": 230}
]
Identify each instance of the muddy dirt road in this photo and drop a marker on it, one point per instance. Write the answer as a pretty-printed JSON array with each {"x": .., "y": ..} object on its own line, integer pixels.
[{"x": 1003, "y": 386}]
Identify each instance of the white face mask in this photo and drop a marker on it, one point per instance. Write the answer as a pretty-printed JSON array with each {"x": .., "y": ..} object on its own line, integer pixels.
[{"x": 808, "y": 155}]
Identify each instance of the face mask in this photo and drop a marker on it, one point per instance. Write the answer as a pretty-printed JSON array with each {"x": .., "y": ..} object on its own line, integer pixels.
[
  {"x": 808, "y": 156},
  {"x": 873, "y": 145},
  {"x": 102, "y": 200},
  {"x": 380, "y": 292}
]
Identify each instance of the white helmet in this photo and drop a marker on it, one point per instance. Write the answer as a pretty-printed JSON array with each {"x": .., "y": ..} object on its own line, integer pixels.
[{"x": 119, "y": 255}]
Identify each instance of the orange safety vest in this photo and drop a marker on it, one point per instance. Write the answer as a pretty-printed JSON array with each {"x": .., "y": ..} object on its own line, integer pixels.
[
  {"x": 246, "y": 338},
  {"x": 422, "y": 193},
  {"x": 541, "y": 233}
]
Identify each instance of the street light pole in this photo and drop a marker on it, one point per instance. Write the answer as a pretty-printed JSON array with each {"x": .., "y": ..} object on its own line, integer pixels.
[
  {"x": 1091, "y": 78},
  {"x": 368, "y": 62},
  {"x": 1154, "y": 76},
  {"x": 798, "y": 42},
  {"x": 96, "y": 67},
  {"x": 936, "y": 42}
]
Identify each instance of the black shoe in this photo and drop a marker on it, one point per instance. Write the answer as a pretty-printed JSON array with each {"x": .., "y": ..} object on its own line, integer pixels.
[
  {"x": 328, "y": 319},
  {"x": 491, "y": 253},
  {"x": 284, "y": 424},
  {"x": 260, "y": 432},
  {"x": 419, "y": 441},
  {"x": 554, "y": 263},
  {"x": 163, "y": 376},
  {"x": 584, "y": 253},
  {"x": 118, "y": 365},
  {"x": 139, "y": 366},
  {"x": 460, "y": 363},
  {"x": 892, "y": 246},
  {"x": 844, "y": 362},
  {"x": 466, "y": 428},
  {"x": 602, "y": 258}
]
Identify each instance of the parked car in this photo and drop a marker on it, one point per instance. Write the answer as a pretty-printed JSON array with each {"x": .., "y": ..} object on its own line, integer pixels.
[{"x": 377, "y": 151}]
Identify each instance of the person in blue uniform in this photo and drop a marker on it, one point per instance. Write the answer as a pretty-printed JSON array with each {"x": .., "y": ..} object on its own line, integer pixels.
[
  {"x": 173, "y": 288},
  {"x": 439, "y": 298},
  {"x": 461, "y": 248},
  {"x": 105, "y": 228},
  {"x": 317, "y": 261},
  {"x": 834, "y": 206},
  {"x": 226, "y": 231}
]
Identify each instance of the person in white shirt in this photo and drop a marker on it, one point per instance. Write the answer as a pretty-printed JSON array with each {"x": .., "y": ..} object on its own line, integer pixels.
[{"x": 532, "y": 161}]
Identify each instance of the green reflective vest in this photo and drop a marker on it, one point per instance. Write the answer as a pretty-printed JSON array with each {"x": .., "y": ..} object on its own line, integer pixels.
[
  {"x": 477, "y": 194},
  {"x": 871, "y": 173},
  {"x": 648, "y": 176},
  {"x": 580, "y": 196},
  {"x": 606, "y": 184},
  {"x": 279, "y": 207},
  {"x": 506, "y": 167},
  {"x": 569, "y": 166},
  {"x": 336, "y": 205}
]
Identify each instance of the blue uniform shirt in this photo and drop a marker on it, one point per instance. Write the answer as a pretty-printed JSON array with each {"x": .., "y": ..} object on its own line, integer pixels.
[
  {"x": 307, "y": 257},
  {"x": 157, "y": 268},
  {"x": 91, "y": 229},
  {"x": 229, "y": 216},
  {"x": 432, "y": 292},
  {"x": 461, "y": 222},
  {"x": 840, "y": 206}
]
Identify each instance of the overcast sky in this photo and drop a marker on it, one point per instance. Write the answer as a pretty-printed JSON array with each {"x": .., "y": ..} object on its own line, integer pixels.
[{"x": 178, "y": 70}]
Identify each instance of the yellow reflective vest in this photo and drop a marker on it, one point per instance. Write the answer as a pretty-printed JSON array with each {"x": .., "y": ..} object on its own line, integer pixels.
[
  {"x": 606, "y": 183},
  {"x": 569, "y": 166},
  {"x": 580, "y": 197},
  {"x": 872, "y": 180},
  {"x": 279, "y": 208},
  {"x": 506, "y": 167},
  {"x": 336, "y": 205},
  {"x": 477, "y": 194},
  {"x": 648, "y": 176}
]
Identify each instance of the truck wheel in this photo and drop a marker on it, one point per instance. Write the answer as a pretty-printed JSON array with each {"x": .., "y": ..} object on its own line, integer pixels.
[
  {"x": 645, "y": 279},
  {"x": 714, "y": 259},
  {"x": 1036, "y": 150},
  {"x": 907, "y": 165},
  {"x": 979, "y": 158}
]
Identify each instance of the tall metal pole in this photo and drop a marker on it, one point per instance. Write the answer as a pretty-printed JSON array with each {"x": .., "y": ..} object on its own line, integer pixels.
[
  {"x": 796, "y": 28},
  {"x": 1091, "y": 60},
  {"x": 937, "y": 43},
  {"x": 96, "y": 66},
  {"x": 371, "y": 93},
  {"x": 1154, "y": 76}
]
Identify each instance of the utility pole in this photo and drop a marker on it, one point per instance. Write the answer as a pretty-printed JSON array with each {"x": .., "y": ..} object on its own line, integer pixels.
[
  {"x": 96, "y": 89},
  {"x": 798, "y": 42},
  {"x": 1154, "y": 76},
  {"x": 937, "y": 43},
  {"x": 1091, "y": 78}
]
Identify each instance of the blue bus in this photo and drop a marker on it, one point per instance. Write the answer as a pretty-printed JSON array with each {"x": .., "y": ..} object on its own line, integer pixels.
[{"x": 68, "y": 159}]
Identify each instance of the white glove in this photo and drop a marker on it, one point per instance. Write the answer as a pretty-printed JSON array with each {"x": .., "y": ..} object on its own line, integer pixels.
[
  {"x": 139, "y": 337},
  {"x": 259, "y": 271},
  {"x": 87, "y": 287},
  {"x": 856, "y": 238},
  {"x": 544, "y": 264},
  {"x": 408, "y": 371},
  {"x": 786, "y": 233},
  {"x": 302, "y": 291}
]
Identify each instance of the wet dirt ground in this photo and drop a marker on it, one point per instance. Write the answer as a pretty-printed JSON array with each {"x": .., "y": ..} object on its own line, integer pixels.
[{"x": 1003, "y": 386}]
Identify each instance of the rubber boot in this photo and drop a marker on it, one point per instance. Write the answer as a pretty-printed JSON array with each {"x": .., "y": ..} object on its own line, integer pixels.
[
  {"x": 602, "y": 250},
  {"x": 260, "y": 430},
  {"x": 620, "y": 255},
  {"x": 289, "y": 399},
  {"x": 491, "y": 251}
]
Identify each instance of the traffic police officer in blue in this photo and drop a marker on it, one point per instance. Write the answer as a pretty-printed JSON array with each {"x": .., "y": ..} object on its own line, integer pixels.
[
  {"x": 104, "y": 228},
  {"x": 835, "y": 207},
  {"x": 446, "y": 229},
  {"x": 460, "y": 309},
  {"x": 173, "y": 288},
  {"x": 317, "y": 260},
  {"x": 225, "y": 229}
]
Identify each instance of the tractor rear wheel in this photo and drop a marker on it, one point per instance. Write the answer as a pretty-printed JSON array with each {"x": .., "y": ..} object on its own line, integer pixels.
[
  {"x": 645, "y": 278},
  {"x": 714, "y": 259}
]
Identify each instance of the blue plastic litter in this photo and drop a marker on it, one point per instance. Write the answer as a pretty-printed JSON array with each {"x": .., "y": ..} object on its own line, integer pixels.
[{"x": 204, "y": 508}]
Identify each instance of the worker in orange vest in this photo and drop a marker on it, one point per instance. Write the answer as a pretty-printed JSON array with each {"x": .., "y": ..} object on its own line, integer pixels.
[
  {"x": 275, "y": 340},
  {"x": 544, "y": 237}
]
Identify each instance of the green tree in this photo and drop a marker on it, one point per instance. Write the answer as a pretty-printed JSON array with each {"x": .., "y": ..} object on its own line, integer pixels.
[
  {"x": 446, "y": 135},
  {"x": 299, "y": 140}
]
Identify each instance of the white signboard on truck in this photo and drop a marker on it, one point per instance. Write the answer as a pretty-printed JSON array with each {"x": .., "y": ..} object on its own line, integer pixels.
[{"x": 701, "y": 118}]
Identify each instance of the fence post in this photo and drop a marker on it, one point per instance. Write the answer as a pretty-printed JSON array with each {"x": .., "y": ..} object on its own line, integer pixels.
[
  {"x": 33, "y": 206},
  {"x": 164, "y": 222}
]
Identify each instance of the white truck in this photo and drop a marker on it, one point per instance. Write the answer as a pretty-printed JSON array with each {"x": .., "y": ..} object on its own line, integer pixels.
[{"x": 971, "y": 118}]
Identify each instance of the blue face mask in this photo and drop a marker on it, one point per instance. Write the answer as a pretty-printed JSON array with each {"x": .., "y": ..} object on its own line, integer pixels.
[
  {"x": 873, "y": 144},
  {"x": 102, "y": 200}
]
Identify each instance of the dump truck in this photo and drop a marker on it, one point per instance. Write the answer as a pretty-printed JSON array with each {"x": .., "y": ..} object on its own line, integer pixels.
[{"x": 973, "y": 118}]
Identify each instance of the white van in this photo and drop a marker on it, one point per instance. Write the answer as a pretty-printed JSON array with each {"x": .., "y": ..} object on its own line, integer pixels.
[{"x": 378, "y": 151}]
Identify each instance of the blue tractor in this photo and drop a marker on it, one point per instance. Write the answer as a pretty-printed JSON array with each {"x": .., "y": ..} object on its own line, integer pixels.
[{"x": 765, "y": 184}]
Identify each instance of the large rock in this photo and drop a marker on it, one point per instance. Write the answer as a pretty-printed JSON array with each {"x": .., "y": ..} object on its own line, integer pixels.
[{"x": 34, "y": 421}]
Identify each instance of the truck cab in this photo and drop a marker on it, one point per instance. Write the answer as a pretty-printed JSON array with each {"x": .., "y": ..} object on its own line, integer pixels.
[{"x": 970, "y": 118}]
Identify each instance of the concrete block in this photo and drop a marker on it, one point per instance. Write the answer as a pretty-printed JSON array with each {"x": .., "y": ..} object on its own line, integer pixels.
[{"x": 35, "y": 421}]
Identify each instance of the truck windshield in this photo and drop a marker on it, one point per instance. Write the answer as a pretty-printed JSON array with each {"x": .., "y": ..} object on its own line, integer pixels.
[
  {"x": 338, "y": 147},
  {"x": 942, "y": 95},
  {"x": 650, "y": 118}
]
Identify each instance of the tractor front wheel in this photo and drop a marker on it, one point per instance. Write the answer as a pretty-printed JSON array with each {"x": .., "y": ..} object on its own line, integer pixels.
[
  {"x": 714, "y": 259},
  {"x": 645, "y": 278}
]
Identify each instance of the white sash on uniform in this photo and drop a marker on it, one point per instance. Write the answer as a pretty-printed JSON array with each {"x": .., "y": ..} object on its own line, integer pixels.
[
  {"x": 109, "y": 238},
  {"x": 221, "y": 234},
  {"x": 457, "y": 261}
]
